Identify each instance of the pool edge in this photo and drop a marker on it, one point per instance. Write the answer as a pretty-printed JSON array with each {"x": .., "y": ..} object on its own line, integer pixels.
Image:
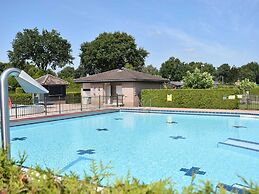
[
  {"x": 209, "y": 112},
  {"x": 49, "y": 118}
]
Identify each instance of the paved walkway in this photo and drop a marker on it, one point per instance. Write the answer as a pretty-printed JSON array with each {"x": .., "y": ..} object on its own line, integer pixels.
[
  {"x": 55, "y": 110},
  {"x": 198, "y": 110},
  {"x": 66, "y": 110}
]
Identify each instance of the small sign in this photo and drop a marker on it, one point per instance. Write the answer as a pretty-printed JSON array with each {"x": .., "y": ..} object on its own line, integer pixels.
[
  {"x": 169, "y": 97},
  {"x": 232, "y": 97}
]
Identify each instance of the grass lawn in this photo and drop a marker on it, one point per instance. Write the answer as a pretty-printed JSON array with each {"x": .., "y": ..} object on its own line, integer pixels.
[{"x": 249, "y": 106}]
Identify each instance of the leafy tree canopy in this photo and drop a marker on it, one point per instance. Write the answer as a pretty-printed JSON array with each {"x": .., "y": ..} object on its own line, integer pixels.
[
  {"x": 204, "y": 67},
  {"x": 36, "y": 72},
  {"x": 223, "y": 73},
  {"x": 150, "y": 69},
  {"x": 198, "y": 80},
  {"x": 173, "y": 69},
  {"x": 2, "y": 66},
  {"x": 67, "y": 72},
  {"x": 46, "y": 49},
  {"x": 110, "y": 51},
  {"x": 128, "y": 66},
  {"x": 227, "y": 74},
  {"x": 250, "y": 71}
]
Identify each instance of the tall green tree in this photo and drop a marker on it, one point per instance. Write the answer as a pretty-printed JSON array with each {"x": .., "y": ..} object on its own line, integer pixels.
[
  {"x": 173, "y": 69},
  {"x": 227, "y": 74},
  {"x": 35, "y": 72},
  {"x": 204, "y": 67},
  {"x": 45, "y": 49},
  {"x": 234, "y": 74},
  {"x": 250, "y": 71},
  {"x": 2, "y": 67},
  {"x": 150, "y": 69},
  {"x": 67, "y": 72},
  {"x": 223, "y": 73},
  {"x": 109, "y": 51}
]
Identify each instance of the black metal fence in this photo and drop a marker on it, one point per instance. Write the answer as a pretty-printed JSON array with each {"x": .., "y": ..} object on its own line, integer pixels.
[
  {"x": 249, "y": 102},
  {"x": 63, "y": 105}
]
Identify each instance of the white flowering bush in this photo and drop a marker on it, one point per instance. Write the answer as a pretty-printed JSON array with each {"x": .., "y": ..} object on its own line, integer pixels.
[
  {"x": 198, "y": 80},
  {"x": 245, "y": 85}
]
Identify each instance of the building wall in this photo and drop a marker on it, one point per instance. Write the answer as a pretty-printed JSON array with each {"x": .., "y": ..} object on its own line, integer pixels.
[
  {"x": 130, "y": 91},
  {"x": 138, "y": 86},
  {"x": 96, "y": 90}
]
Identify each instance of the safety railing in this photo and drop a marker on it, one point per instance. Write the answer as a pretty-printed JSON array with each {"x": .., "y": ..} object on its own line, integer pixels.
[
  {"x": 68, "y": 104},
  {"x": 249, "y": 102}
]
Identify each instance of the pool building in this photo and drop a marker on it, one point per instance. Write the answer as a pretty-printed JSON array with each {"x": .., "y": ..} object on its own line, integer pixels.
[
  {"x": 55, "y": 86},
  {"x": 123, "y": 82}
]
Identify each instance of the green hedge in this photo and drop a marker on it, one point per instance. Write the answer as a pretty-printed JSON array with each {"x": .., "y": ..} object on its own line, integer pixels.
[
  {"x": 73, "y": 97},
  {"x": 190, "y": 98},
  {"x": 255, "y": 91},
  {"x": 19, "y": 90},
  {"x": 21, "y": 98}
]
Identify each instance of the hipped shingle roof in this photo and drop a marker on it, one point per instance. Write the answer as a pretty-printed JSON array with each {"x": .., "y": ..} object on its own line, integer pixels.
[
  {"x": 51, "y": 80},
  {"x": 120, "y": 75}
]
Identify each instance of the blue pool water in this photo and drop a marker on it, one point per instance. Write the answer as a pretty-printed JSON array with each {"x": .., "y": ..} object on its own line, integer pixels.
[{"x": 151, "y": 146}]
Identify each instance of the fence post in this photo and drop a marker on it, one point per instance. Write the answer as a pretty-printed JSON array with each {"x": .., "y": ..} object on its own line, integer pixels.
[
  {"x": 16, "y": 115},
  {"x": 45, "y": 105},
  {"x": 99, "y": 101},
  {"x": 117, "y": 100},
  {"x": 81, "y": 103},
  {"x": 246, "y": 101},
  {"x": 122, "y": 100},
  {"x": 255, "y": 103},
  {"x": 59, "y": 105}
]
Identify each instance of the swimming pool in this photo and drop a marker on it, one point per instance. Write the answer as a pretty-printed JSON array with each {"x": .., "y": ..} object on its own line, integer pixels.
[{"x": 151, "y": 146}]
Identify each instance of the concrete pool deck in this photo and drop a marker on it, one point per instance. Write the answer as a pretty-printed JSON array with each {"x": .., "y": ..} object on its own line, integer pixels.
[
  {"x": 195, "y": 110},
  {"x": 90, "y": 111},
  {"x": 52, "y": 117}
]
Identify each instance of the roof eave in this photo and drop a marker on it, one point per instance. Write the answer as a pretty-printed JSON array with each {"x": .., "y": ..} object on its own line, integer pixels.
[{"x": 104, "y": 81}]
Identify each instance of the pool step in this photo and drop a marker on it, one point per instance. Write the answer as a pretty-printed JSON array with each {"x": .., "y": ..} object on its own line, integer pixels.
[{"x": 239, "y": 143}]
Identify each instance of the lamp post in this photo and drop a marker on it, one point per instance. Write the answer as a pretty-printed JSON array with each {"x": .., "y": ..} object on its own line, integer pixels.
[{"x": 29, "y": 85}]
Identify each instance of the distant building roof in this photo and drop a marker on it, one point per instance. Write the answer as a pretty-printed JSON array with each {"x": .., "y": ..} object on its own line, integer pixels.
[
  {"x": 177, "y": 83},
  {"x": 181, "y": 83},
  {"x": 51, "y": 80},
  {"x": 120, "y": 75}
]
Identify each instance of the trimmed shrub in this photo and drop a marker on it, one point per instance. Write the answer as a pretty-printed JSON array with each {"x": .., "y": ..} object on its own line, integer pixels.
[
  {"x": 19, "y": 90},
  {"x": 73, "y": 97},
  {"x": 21, "y": 98},
  {"x": 190, "y": 98},
  {"x": 255, "y": 91}
]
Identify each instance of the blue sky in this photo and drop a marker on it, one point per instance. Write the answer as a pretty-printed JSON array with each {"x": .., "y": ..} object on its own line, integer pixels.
[{"x": 213, "y": 31}]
